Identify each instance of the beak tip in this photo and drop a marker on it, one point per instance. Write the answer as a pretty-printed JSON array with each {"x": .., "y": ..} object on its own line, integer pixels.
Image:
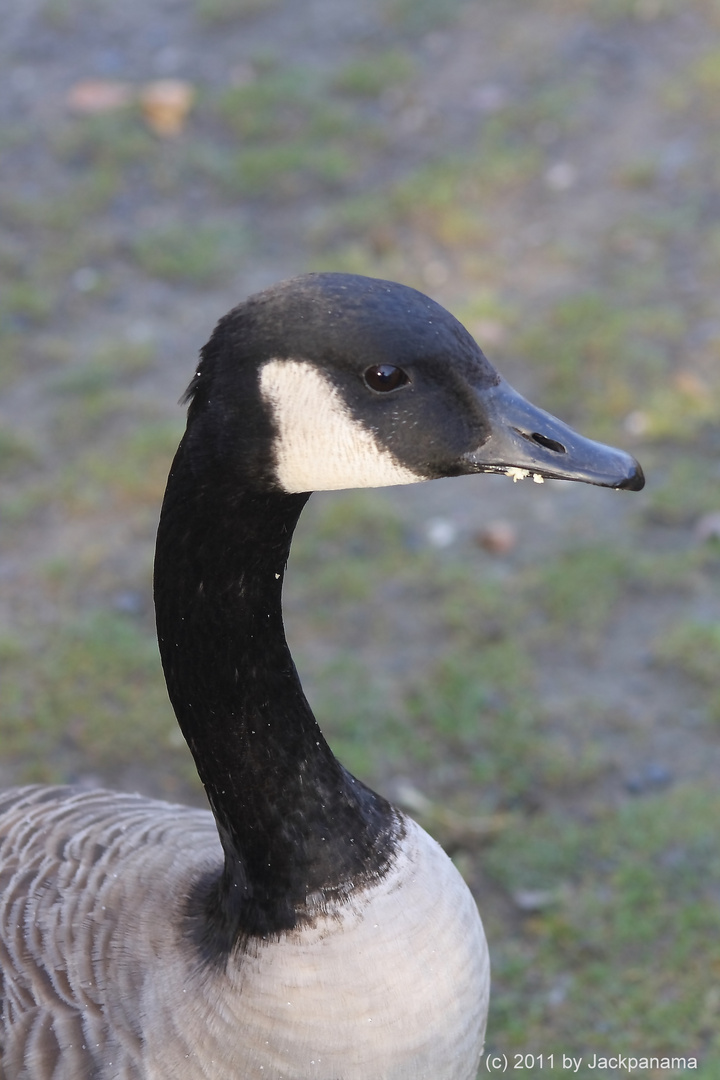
[{"x": 635, "y": 480}]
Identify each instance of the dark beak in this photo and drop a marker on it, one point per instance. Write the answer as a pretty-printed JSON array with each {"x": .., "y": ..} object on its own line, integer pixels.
[{"x": 525, "y": 440}]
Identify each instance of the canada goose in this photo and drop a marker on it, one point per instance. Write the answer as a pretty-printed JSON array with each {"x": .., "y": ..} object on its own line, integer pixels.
[{"x": 324, "y": 934}]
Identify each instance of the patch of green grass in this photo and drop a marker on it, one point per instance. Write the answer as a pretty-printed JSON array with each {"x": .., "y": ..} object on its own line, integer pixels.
[
  {"x": 26, "y": 303},
  {"x": 106, "y": 143},
  {"x": 355, "y": 257},
  {"x": 16, "y": 453},
  {"x": 111, "y": 366},
  {"x": 23, "y": 505},
  {"x": 711, "y": 252},
  {"x": 701, "y": 85},
  {"x": 694, "y": 649},
  {"x": 289, "y": 104},
  {"x": 191, "y": 253},
  {"x": 128, "y": 472},
  {"x": 470, "y": 699},
  {"x": 355, "y": 714},
  {"x": 442, "y": 201},
  {"x": 501, "y": 161},
  {"x": 421, "y": 16},
  {"x": 92, "y": 394},
  {"x": 475, "y": 709},
  {"x": 70, "y": 209},
  {"x": 469, "y": 703},
  {"x": 684, "y": 489},
  {"x": 98, "y": 692},
  {"x": 363, "y": 520},
  {"x": 639, "y": 175},
  {"x": 354, "y": 547},
  {"x": 547, "y": 111},
  {"x": 11, "y": 354},
  {"x": 577, "y": 591},
  {"x": 458, "y": 712},
  {"x": 445, "y": 201},
  {"x": 94, "y": 156},
  {"x": 596, "y": 353},
  {"x": 484, "y": 308},
  {"x": 578, "y": 339},
  {"x": 14, "y": 135},
  {"x": 287, "y": 170},
  {"x": 290, "y": 137},
  {"x": 612, "y": 967},
  {"x": 670, "y": 571},
  {"x": 344, "y": 548},
  {"x": 276, "y": 105},
  {"x": 370, "y": 76},
  {"x": 223, "y": 12},
  {"x": 610, "y": 11},
  {"x": 61, "y": 14},
  {"x": 679, "y": 409},
  {"x": 87, "y": 415},
  {"x": 466, "y": 702}
]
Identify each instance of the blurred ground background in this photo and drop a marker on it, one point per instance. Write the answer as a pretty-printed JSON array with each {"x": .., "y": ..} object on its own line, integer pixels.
[{"x": 533, "y": 671}]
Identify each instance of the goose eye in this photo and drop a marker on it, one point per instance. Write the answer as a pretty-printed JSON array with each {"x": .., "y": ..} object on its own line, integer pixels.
[{"x": 385, "y": 377}]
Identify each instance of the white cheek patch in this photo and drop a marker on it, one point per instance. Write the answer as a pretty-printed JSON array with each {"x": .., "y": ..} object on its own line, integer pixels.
[{"x": 319, "y": 446}]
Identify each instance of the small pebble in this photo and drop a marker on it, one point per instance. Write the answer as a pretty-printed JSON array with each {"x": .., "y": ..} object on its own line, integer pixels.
[
  {"x": 410, "y": 797},
  {"x": 637, "y": 423},
  {"x": 441, "y": 532},
  {"x": 651, "y": 778},
  {"x": 85, "y": 279},
  {"x": 488, "y": 98},
  {"x": 128, "y": 602},
  {"x": 708, "y": 527},
  {"x": 499, "y": 537},
  {"x": 94, "y": 96},
  {"x": 532, "y": 900},
  {"x": 165, "y": 105},
  {"x": 561, "y": 176}
]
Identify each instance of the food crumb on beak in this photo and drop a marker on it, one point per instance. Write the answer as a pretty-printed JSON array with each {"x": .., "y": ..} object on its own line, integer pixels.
[{"x": 516, "y": 474}]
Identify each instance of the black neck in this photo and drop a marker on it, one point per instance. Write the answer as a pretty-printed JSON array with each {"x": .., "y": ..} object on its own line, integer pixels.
[{"x": 291, "y": 819}]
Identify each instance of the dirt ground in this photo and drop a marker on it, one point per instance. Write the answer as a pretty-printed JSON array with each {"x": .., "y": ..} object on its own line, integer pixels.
[{"x": 598, "y": 178}]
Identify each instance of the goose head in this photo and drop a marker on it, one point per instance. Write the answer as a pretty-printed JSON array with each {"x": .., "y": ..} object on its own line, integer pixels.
[{"x": 334, "y": 381}]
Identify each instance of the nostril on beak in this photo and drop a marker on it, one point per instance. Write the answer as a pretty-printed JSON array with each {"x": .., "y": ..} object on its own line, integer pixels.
[
  {"x": 543, "y": 440},
  {"x": 549, "y": 444}
]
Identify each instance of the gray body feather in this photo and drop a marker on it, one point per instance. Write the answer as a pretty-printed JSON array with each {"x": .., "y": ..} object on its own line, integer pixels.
[
  {"x": 80, "y": 872},
  {"x": 100, "y": 978}
]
